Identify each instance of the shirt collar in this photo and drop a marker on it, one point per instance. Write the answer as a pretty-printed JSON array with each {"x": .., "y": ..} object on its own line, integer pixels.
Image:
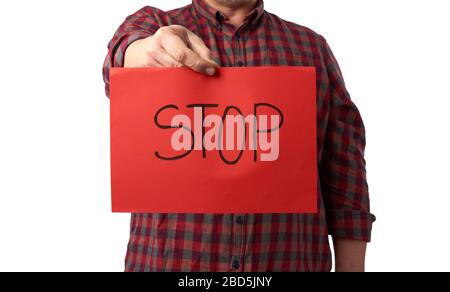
[{"x": 217, "y": 18}]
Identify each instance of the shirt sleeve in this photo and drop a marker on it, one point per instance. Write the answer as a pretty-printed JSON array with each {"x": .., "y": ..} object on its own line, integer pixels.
[
  {"x": 139, "y": 25},
  {"x": 343, "y": 167}
]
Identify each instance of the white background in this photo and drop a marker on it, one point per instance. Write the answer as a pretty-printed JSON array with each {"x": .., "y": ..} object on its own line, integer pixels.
[{"x": 54, "y": 148}]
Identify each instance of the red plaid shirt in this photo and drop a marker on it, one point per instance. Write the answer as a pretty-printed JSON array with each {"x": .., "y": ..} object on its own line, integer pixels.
[{"x": 259, "y": 242}]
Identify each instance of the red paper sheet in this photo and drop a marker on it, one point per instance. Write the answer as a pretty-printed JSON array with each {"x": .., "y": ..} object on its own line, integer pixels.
[{"x": 241, "y": 142}]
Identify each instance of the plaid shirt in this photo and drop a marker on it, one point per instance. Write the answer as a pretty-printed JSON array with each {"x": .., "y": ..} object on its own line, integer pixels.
[{"x": 259, "y": 242}]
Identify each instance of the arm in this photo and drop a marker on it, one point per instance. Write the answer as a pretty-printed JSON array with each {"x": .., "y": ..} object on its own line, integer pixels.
[
  {"x": 343, "y": 174},
  {"x": 171, "y": 46},
  {"x": 144, "y": 41},
  {"x": 137, "y": 26},
  {"x": 350, "y": 255}
]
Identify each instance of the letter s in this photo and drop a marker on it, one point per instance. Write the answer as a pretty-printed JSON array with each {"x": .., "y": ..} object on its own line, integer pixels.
[{"x": 165, "y": 127}]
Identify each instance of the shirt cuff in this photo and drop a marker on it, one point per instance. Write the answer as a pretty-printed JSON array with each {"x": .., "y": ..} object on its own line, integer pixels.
[
  {"x": 350, "y": 224},
  {"x": 116, "y": 56},
  {"x": 124, "y": 43}
]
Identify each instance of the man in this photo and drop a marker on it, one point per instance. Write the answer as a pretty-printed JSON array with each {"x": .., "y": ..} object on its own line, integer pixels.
[{"x": 212, "y": 33}]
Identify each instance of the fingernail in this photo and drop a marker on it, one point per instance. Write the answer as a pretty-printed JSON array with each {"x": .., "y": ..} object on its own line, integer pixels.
[{"x": 210, "y": 71}]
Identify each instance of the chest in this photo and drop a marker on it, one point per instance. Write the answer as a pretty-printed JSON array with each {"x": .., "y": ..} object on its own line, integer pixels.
[{"x": 263, "y": 46}]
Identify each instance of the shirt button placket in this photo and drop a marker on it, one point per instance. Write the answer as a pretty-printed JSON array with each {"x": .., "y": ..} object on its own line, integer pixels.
[
  {"x": 238, "y": 229},
  {"x": 238, "y": 50},
  {"x": 236, "y": 264},
  {"x": 239, "y": 240}
]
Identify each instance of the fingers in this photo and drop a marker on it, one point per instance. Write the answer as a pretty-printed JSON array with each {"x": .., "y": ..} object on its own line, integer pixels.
[
  {"x": 178, "y": 49},
  {"x": 199, "y": 47},
  {"x": 198, "y": 64},
  {"x": 152, "y": 62},
  {"x": 166, "y": 60}
]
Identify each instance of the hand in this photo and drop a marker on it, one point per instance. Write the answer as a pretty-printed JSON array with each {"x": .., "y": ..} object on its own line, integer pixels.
[
  {"x": 349, "y": 254},
  {"x": 171, "y": 46}
]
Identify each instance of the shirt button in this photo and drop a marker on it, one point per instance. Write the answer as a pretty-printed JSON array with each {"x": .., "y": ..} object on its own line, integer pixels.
[
  {"x": 240, "y": 64},
  {"x": 240, "y": 220},
  {"x": 236, "y": 264}
]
